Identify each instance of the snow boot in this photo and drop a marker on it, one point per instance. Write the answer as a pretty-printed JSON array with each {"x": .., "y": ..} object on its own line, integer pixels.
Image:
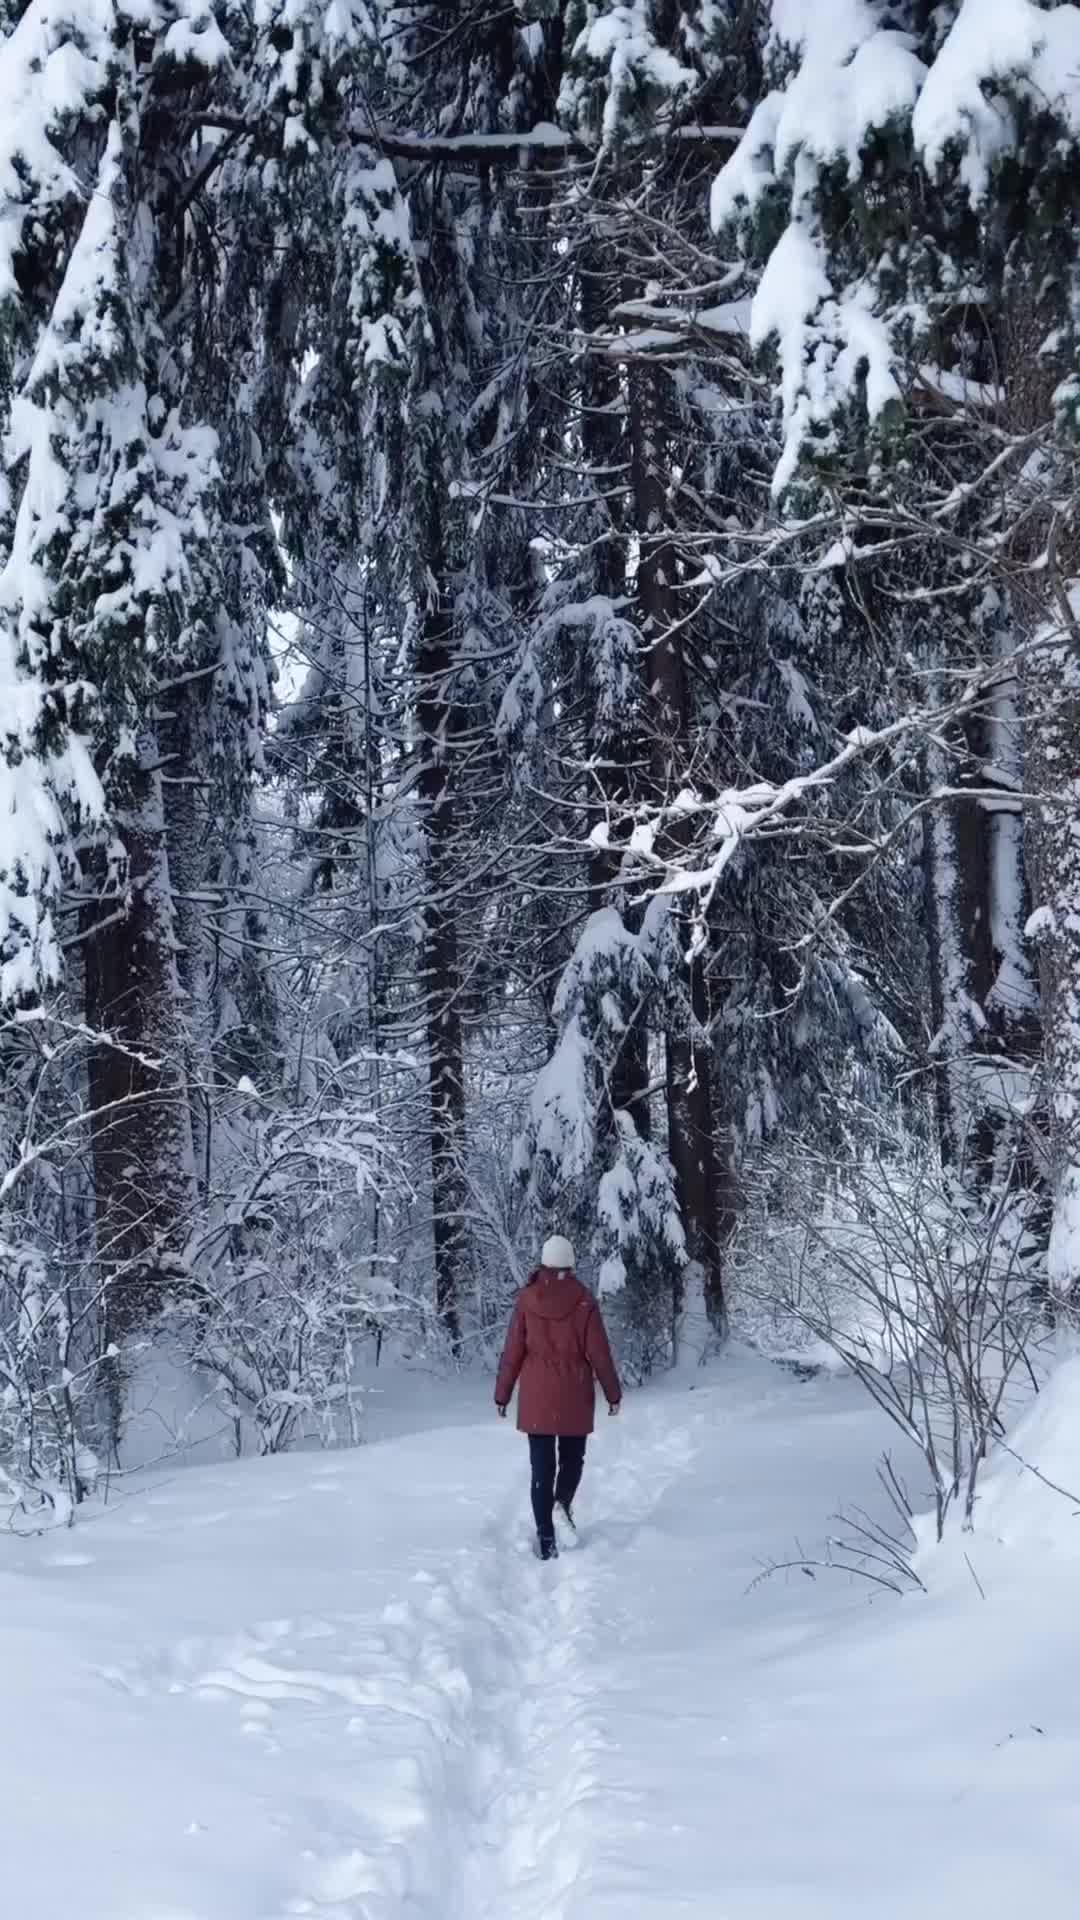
[
  {"x": 546, "y": 1549},
  {"x": 564, "y": 1514}
]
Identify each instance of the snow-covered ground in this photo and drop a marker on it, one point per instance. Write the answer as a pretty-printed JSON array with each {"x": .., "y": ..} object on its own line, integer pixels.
[{"x": 339, "y": 1685}]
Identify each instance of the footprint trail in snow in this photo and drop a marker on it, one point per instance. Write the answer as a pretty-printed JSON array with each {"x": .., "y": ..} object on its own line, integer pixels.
[{"x": 464, "y": 1763}]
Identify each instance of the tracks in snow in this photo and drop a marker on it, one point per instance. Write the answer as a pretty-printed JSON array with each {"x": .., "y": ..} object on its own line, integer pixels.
[
  {"x": 452, "y": 1745},
  {"x": 503, "y": 1658}
]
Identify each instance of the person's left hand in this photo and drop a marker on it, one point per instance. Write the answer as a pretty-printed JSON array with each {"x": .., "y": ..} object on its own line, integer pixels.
[{"x": 500, "y": 1410}]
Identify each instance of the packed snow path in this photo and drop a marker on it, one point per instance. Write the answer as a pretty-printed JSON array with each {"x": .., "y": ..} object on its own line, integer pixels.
[{"x": 341, "y": 1686}]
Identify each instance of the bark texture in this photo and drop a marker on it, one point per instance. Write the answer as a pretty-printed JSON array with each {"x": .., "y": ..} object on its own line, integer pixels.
[{"x": 140, "y": 1126}]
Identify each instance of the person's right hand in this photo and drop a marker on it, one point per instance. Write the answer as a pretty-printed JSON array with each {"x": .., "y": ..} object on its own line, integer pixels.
[{"x": 613, "y": 1407}]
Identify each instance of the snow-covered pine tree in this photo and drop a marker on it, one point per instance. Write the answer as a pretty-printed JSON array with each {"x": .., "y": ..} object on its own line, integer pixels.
[
  {"x": 626, "y": 84},
  {"x": 139, "y": 310},
  {"x": 442, "y": 415},
  {"x": 902, "y": 391},
  {"x": 583, "y": 1157},
  {"x": 109, "y": 562},
  {"x": 312, "y": 303},
  {"x": 576, "y": 700},
  {"x": 719, "y": 683}
]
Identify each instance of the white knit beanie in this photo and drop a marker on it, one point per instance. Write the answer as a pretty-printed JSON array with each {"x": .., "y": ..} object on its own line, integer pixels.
[{"x": 557, "y": 1253}]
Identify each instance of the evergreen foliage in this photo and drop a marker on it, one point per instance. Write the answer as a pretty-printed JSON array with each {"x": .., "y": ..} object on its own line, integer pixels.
[{"x": 539, "y": 623}]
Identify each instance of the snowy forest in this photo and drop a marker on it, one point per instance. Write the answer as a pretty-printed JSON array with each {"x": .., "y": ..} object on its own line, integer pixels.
[{"x": 540, "y": 621}]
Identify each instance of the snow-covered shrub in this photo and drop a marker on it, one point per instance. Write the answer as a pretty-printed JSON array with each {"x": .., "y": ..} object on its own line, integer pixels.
[
  {"x": 286, "y": 1269},
  {"x": 51, "y": 1373},
  {"x": 881, "y": 1265},
  {"x": 639, "y": 1240},
  {"x": 57, "y": 1370},
  {"x": 283, "y": 1285},
  {"x": 582, "y": 1160}
]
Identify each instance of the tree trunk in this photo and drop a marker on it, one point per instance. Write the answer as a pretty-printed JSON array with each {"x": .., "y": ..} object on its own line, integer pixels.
[
  {"x": 614, "y": 748},
  {"x": 185, "y": 828},
  {"x": 706, "y": 1194},
  {"x": 140, "y": 1126},
  {"x": 1054, "y": 773},
  {"x": 1013, "y": 1009},
  {"x": 441, "y": 967},
  {"x": 706, "y": 1214},
  {"x": 956, "y": 876},
  {"x": 984, "y": 1003}
]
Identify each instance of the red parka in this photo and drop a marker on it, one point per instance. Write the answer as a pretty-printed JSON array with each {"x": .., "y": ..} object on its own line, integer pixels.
[{"x": 557, "y": 1347}]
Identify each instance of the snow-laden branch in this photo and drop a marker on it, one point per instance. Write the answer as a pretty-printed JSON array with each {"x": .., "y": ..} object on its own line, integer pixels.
[
  {"x": 496, "y": 149},
  {"x": 962, "y": 102},
  {"x": 763, "y": 808}
]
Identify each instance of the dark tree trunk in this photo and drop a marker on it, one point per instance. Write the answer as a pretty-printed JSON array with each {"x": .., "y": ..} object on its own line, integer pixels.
[
  {"x": 615, "y": 749},
  {"x": 139, "y": 1120},
  {"x": 961, "y": 964},
  {"x": 441, "y": 964},
  {"x": 611, "y": 749},
  {"x": 1054, "y": 773},
  {"x": 706, "y": 1194},
  {"x": 983, "y": 999},
  {"x": 185, "y": 839},
  {"x": 706, "y": 1211},
  {"x": 983, "y": 995}
]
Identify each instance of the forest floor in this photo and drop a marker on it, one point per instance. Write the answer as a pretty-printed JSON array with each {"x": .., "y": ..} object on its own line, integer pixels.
[{"x": 339, "y": 1685}]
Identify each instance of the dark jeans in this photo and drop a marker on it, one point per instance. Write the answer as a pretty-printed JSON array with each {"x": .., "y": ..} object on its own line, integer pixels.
[{"x": 554, "y": 1476}]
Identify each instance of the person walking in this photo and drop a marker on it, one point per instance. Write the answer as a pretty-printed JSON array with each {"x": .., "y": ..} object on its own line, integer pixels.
[{"x": 556, "y": 1350}]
